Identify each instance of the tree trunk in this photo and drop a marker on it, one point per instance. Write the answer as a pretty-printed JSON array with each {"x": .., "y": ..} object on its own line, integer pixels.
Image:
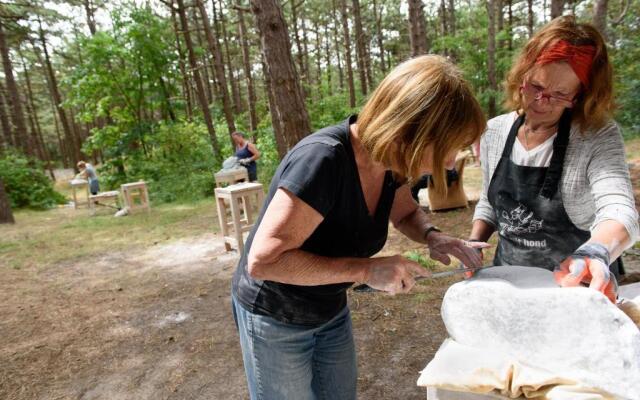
[
  {"x": 235, "y": 89},
  {"x": 208, "y": 87},
  {"x": 510, "y": 33},
  {"x": 6, "y": 216},
  {"x": 318, "y": 57},
  {"x": 347, "y": 53},
  {"x": 296, "y": 37},
  {"x": 600, "y": 16},
  {"x": 327, "y": 54},
  {"x": 417, "y": 33},
  {"x": 186, "y": 84},
  {"x": 21, "y": 136},
  {"x": 557, "y": 7},
  {"x": 31, "y": 106},
  {"x": 491, "y": 57},
  {"x": 7, "y": 132},
  {"x": 246, "y": 62},
  {"x": 218, "y": 62},
  {"x": 361, "y": 53},
  {"x": 202, "y": 99},
  {"x": 336, "y": 41},
  {"x": 452, "y": 17},
  {"x": 64, "y": 151},
  {"x": 72, "y": 140},
  {"x": 278, "y": 130},
  {"x": 530, "y": 17},
  {"x": 287, "y": 93},
  {"x": 91, "y": 21},
  {"x": 379, "y": 36}
]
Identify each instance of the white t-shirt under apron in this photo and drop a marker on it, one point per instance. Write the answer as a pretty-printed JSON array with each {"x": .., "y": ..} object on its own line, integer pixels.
[{"x": 539, "y": 156}]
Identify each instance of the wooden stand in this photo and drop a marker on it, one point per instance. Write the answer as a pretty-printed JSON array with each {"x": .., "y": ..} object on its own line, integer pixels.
[
  {"x": 455, "y": 197},
  {"x": 96, "y": 199},
  {"x": 242, "y": 197},
  {"x": 77, "y": 184},
  {"x": 231, "y": 176},
  {"x": 133, "y": 191}
]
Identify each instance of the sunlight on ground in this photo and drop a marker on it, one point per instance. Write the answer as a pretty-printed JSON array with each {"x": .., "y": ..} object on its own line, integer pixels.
[{"x": 40, "y": 238}]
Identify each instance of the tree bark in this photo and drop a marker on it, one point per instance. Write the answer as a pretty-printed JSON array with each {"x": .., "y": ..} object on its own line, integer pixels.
[
  {"x": 90, "y": 14},
  {"x": 6, "y": 216},
  {"x": 287, "y": 93},
  {"x": 281, "y": 143},
  {"x": 557, "y": 7},
  {"x": 417, "y": 32},
  {"x": 530, "y": 17},
  {"x": 186, "y": 84},
  {"x": 361, "y": 53},
  {"x": 296, "y": 37},
  {"x": 202, "y": 99},
  {"x": 600, "y": 16},
  {"x": 318, "y": 56},
  {"x": 218, "y": 62},
  {"x": 327, "y": 54},
  {"x": 204, "y": 60},
  {"x": 347, "y": 53},
  {"x": 32, "y": 109},
  {"x": 235, "y": 89},
  {"x": 20, "y": 134},
  {"x": 72, "y": 140},
  {"x": 246, "y": 62},
  {"x": 336, "y": 41},
  {"x": 452, "y": 17},
  {"x": 379, "y": 36},
  {"x": 7, "y": 132},
  {"x": 491, "y": 57}
]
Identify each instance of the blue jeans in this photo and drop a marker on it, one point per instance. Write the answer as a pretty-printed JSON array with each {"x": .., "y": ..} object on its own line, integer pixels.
[{"x": 285, "y": 361}]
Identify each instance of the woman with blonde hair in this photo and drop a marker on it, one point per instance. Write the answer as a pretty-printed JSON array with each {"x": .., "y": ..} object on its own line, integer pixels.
[
  {"x": 556, "y": 184},
  {"x": 328, "y": 211}
]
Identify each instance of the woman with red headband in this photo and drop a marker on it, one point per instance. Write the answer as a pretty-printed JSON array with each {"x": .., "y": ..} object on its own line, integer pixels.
[{"x": 556, "y": 184}]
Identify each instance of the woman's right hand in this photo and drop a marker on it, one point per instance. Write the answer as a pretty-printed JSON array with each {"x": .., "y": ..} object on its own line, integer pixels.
[{"x": 394, "y": 274}]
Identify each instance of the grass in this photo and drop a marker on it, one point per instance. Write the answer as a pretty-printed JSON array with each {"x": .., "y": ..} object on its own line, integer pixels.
[{"x": 40, "y": 238}]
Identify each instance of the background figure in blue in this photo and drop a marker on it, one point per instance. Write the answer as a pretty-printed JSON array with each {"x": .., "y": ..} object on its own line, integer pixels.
[
  {"x": 88, "y": 172},
  {"x": 423, "y": 183},
  {"x": 247, "y": 154}
]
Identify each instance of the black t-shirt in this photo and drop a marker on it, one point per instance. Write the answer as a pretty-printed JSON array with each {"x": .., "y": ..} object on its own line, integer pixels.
[{"x": 321, "y": 171}]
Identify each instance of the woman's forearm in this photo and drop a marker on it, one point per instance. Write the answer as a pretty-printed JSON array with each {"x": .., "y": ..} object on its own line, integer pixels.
[
  {"x": 613, "y": 235},
  {"x": 481, "y": 230}
]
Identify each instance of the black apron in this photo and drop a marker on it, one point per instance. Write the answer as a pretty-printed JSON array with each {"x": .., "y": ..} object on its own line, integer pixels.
[{"x": 534, "y": 228}]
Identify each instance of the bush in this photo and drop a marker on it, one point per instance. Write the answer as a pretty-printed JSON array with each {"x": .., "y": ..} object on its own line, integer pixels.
[{"x": 26, "y": 184}]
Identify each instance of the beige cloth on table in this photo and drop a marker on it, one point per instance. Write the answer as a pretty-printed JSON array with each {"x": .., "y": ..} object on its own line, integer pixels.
[{"x": 466, "y": 369}]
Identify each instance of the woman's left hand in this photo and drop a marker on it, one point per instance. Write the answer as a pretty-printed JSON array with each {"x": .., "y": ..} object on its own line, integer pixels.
[{"x": 442, "y": 245}]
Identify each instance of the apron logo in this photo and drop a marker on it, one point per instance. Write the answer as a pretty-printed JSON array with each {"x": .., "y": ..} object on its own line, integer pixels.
[{"x": 519, "y": 221}]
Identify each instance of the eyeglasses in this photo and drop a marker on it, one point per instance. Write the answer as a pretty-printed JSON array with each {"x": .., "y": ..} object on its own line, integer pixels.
[{"x": 537, "y": 93}]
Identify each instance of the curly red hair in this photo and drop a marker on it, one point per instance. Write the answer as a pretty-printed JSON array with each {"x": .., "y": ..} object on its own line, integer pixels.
[{"x": 595, "y": 104}]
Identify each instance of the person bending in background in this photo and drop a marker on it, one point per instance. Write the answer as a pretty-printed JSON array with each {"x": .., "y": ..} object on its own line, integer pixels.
[
  {"x": 328, "y": 211},
  {"x": 88, "y": 172},
  {"x": 247, "y": 154},
  {"x": 556, "y": 185}
]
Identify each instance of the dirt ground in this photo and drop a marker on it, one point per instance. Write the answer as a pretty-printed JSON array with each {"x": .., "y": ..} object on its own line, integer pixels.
[{"x": 155, "y": 323}]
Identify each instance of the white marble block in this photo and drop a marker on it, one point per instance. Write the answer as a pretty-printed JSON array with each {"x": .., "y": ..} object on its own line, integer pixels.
[{"x": 573, "y": 333}]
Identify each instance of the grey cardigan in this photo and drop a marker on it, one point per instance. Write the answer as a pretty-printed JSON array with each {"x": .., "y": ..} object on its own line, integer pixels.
[{"x": 595, "y": 184}]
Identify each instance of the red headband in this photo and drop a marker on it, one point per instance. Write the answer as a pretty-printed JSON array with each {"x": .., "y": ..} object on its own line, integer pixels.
[{"x": 579, "y": 58}]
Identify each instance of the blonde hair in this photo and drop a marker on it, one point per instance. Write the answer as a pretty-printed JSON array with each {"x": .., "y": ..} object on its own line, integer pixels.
[
  {"x": 595, "y": 105},
  {"x": 423, "y": 101}
]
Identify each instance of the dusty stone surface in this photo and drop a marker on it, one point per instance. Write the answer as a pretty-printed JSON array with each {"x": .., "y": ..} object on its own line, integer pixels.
[{"x": 520, "y": 311}]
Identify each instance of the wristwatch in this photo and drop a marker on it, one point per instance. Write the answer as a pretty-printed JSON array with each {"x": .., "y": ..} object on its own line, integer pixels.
[{"x": 430, "y": 229}]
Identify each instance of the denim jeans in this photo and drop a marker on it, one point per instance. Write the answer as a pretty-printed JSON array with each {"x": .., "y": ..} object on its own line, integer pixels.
[{"x": 285, "y": 361}]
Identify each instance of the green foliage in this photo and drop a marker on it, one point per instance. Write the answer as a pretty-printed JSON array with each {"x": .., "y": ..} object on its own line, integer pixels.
[
  {"x": 178, "y": 163},
  {"x": 26, "y": 184}
]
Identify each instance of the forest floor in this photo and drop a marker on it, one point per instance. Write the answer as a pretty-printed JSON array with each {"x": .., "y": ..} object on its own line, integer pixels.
[{"x": 139, "y": 307}]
